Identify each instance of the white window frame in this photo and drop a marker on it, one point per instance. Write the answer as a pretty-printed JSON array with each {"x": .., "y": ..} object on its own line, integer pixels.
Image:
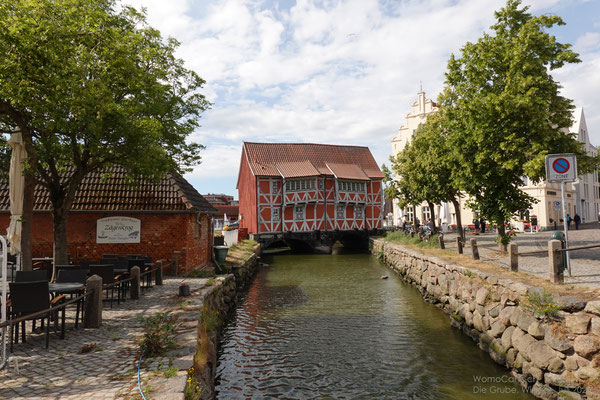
[
  {"x": 359, "y": 211},
  {"x": 274, "y": 214},
  {"x": 300, "y": 209},
  {"x": 274, "y": 187},
  {"x": 340, "y": 209}
]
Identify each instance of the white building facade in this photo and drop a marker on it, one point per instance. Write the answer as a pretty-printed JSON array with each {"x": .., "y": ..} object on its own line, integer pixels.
[{"x": 582, "y": 197}]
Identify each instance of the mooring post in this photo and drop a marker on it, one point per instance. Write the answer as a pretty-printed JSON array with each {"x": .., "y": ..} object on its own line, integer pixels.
[
  {"x": 441, "y": 240},
  {"x": 136, "y": 289},
  {"x": 459, "y": 245},
  {"x": 92, "y": 317},
  {"x": 513, "y": 256},
  {"x": 474, "y": 249},
  {"x": 556, "y": 263},
  {"x": 158, "y": 276}
]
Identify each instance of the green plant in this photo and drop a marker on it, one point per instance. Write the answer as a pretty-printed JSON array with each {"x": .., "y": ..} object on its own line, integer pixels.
[
  {"x": 200, "y": 273},
  {"x": 209, "y": 282},
  {"x": 541, "y": 303},
  {"x": 193, "y": 388},
  {"x": 210, "y": 318},
  {"x": 170, "y": 372},
  {"x": 507, "y": 237},
  {"x": 159, "y": 332},
  {"x": 468, "y": 273},
  {"x": 381, "y": 252}
]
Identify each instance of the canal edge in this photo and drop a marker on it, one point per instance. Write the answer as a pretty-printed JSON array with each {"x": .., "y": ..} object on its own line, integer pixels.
[
  {"x": 553, "y": 353},
  {"x": 217, "y": 305}
]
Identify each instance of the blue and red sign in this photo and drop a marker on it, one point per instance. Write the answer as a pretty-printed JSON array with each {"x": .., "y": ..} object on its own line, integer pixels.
[{"x": 561, "y": 165}]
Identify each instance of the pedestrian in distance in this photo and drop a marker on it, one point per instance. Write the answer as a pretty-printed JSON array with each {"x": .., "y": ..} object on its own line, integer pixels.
[
  {"x": 476, "y": 222},
  {"x": 417, "y": 224},
  {"x": 568, "y": 222},
  {"x": 482, "y": 224},
  {"x": 577, "y": 220}
]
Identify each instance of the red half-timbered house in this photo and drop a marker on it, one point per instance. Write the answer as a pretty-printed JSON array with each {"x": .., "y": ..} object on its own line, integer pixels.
[{"x": 305, "y": 187}]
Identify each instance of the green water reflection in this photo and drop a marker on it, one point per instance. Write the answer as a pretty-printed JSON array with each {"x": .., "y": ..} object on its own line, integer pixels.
[{"x": 328, "y": 326}]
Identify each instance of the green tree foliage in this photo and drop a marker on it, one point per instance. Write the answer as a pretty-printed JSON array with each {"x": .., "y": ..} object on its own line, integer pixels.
[
  {"x": 425, "y": 168},
  {"x": 91, "y": 85},
  {"x": 504, "y": 111}
]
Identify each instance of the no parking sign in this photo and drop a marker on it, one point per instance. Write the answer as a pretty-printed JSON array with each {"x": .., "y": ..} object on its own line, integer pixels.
[{"x": 561, "y": 167}]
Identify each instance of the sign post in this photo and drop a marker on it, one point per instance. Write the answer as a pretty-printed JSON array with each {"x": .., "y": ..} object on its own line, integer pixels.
[{"x": 562, "y": 168}]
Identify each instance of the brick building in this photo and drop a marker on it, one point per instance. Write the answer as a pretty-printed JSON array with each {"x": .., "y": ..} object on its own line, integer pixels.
[
  {"x": 298, "y": 187},
  {"x": 168, "y": 218}
]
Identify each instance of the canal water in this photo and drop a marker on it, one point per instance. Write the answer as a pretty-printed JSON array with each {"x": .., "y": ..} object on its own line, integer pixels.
[{"x": 328, "y": 326}]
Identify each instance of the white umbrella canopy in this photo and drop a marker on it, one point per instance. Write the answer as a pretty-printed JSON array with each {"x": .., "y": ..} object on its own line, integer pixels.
[{"x": 16, "y": 186}]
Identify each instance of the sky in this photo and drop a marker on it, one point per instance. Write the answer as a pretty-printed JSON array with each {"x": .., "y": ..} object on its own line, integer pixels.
[{"x": 339, "y": 71}]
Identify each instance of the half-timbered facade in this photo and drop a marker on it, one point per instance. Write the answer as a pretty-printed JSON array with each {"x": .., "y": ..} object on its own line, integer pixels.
[{"x": 297, "y": 187}]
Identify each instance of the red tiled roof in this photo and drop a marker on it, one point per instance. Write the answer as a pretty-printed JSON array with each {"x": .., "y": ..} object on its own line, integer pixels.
[
  {"x": 265, "y": 157},
  {"x": 296, "y": 169},
  {"x": 347, "y": 171},
  {"x": 231, "y": 211},
  {"x": 108, "y": 190}
]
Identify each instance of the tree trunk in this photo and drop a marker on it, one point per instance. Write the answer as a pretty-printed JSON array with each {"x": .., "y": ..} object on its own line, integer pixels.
[
  {"x": 458, "y": 218},
  {"x": 27, "y": 223},
  {"x": 432, "y": 209},
  {"x": 501, "y": 232},
  {"x": 61, "y": 247}
]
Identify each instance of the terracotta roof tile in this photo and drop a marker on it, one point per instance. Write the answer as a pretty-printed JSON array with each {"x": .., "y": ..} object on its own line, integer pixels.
[
  {"x": 264, "y": 157},
  {"x": 108, "y": 190},
  {"x": 296, "y": 169},
  {"x": 347, "y": 171}
]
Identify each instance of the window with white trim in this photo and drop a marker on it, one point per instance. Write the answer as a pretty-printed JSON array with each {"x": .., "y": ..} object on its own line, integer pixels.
[
  {"x": 341, "y": 211},
  {"x": 274, "y": 187},
  {"x": 274, "y": 214},
  {"x": 321, "y": 184},
  {"x": 299, "y": 212},
  {"x": 359, "y": 212}
]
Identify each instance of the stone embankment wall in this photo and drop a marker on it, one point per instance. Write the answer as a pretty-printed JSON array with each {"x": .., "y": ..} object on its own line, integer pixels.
[
  {"x": 552, "y": 358},
  {"x": 217, "y": 305}
]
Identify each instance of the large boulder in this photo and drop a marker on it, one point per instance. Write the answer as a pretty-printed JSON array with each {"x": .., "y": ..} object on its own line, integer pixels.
[
  {"x": 541, "y": 354},
  {"x": 537, "y": 329},
  {"x": 578, "y": 323},
  {"x": 557, "y": 340},
  {"x": 521, "y": 341},
  {"x": 506, "y": 337},
  {"x": 481, "y": 296},
  {"x": 565, "y": 380},
  {"x": 497, "y": 329},
  {"x": 586, "y": 345}
]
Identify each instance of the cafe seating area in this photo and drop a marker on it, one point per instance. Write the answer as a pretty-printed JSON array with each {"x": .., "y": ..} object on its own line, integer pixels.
[{"x": 44, "y": 293}]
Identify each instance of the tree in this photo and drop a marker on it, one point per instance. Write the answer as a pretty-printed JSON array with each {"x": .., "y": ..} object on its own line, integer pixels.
[
  {"x": 91, "y": 86},
  {"x": 425, "y": 168},
  {"x": 504, "y": 111}
]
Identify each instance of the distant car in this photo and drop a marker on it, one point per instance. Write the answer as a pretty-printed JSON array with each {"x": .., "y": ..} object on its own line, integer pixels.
[{"x": 231, "y": 226}]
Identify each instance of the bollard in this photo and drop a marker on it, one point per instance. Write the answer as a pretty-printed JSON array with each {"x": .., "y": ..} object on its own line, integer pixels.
[
  {"x": 459, "y": 245},
  {"x": 474, "y": 249},
  {"x": 513, "y": 256},
  {"x": 93, "y": 303},
  {"x": 135, "y": 283},
  {"x": 441, "y": 241},
  {"x": 556, "y": 264},
  {"x": 159, "y": 273}
]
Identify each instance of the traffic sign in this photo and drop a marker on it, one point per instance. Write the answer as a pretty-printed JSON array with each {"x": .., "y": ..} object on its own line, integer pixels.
[{"x": 561, "y": 167}]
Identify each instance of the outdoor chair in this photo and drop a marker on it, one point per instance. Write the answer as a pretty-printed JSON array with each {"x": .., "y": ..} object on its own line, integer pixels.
[
  {"x": 31, "y": 276},
  {"x": 28, "y": 298},
  {"x": 64, "y": 267},
  {"x": 76, "y": 276},
  {"x": 106, "y": 272},
  {"x": 141, "y": 263}
]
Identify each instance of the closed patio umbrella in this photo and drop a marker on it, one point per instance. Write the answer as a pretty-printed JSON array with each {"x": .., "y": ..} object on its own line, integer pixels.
[{"x": 16, "y": 186}]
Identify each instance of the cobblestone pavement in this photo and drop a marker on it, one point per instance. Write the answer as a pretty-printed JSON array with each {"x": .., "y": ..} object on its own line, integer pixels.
[
  {"x": 107, "y": 372},
  {"x": 585, "y": 264}
]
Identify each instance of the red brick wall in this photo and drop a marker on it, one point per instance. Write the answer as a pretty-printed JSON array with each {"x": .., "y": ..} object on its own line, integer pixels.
[
  {"x": 247, "y": 196},
  {"x": 162, "y": 236}
]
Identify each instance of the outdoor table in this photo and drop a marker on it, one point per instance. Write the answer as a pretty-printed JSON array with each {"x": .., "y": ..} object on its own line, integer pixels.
[{"x": 65, "y": 287}]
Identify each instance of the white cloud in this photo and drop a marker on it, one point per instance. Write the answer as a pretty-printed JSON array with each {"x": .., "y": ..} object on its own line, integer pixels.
[{"x": 342, "y": 71}]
